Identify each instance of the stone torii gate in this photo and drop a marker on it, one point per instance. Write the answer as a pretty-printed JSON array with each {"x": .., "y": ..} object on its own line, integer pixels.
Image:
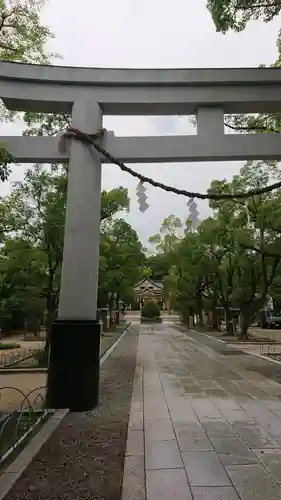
[{"x": 86, "y": 93}]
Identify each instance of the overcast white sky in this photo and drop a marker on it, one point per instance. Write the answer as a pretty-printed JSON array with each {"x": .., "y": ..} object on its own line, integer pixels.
[{"x": 153, "y": 33}]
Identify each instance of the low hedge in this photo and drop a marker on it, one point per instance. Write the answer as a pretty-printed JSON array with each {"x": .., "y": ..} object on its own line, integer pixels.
[
  {"x": 5, "y": 346},
  {"x": 151, "y": 310},
  {"x": 151, "y": 320}
]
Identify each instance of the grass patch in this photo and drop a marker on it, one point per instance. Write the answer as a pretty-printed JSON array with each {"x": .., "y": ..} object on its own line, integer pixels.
[
  {"x": 20, "y": 427},
  {"x": 37, "y": 359}
]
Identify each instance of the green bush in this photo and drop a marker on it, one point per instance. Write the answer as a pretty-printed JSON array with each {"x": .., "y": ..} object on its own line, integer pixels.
[
  {"x": 151, "y": 310},
  {"x": 8, "y": 346}
]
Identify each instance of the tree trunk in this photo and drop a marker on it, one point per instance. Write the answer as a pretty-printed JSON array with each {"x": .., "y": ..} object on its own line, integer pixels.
[
  {"x": 117, "y": 314},
  {"x": 199, "y": 307},
  {"x": 51, "y": 314},
  {"x": 185, "y": 316},
  {"x": 229, "y": 323},
  {"x": 110, "y": 312},
  {"x": 214, "y": 319},
  {"x": 201, "y": 318},
  {"x": 245, "y": 321}
]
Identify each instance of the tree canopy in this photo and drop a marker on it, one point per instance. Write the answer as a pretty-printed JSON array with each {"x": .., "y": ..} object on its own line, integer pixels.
[
  {"x": 235, "y": 14},
  {"x": 23, "y": 38},
  {"x": 232, "y": 259}
]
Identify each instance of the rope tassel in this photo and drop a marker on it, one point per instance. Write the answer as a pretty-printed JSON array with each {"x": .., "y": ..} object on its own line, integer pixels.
[{"x": 73, "y": 133}]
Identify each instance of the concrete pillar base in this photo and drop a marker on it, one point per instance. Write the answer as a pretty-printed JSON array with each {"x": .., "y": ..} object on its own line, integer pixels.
[{"x": 74, "y": 365}]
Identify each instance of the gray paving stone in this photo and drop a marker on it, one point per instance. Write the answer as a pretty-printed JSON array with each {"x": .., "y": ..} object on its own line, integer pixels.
[
  {"x": 195, "y": 395},
  {"x": 209, "y": 384},
  {"x": 193, "y": 443},
  {"x": 183, "y": 416},
  {"x": 162, "y": 455},
  {"x": 191, "y": 380},
  {"x": 167, "y": 484},
  {"x": 204, "y": 408},
  {"x": 159, "y": 430},
  {"x": 178, "y": 404},
  {"x": 215, "y": 493},
  {"x": 255, "y": 436},
  {"x": 153, "y": 412},
  {"x": 253, "y": 482},
  {"x": 218, "y": 428},
  {"x": 233, "y": 451},
  {"x": 218, "y": 393},
  {"x": 233, "y": 415},
  {"x": 271, "y": 459},
  {"x": 192, "y": 388},
  {"x": 191, "y": 437},
  {"x": 203, "y": 468}
]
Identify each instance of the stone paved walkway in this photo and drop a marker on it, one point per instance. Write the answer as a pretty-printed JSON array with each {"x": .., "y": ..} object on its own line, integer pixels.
[{"x": 202, "y": 425}]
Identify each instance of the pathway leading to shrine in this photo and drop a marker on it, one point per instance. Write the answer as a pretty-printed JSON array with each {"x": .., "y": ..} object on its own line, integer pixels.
[{"x": 205, "y": 421}]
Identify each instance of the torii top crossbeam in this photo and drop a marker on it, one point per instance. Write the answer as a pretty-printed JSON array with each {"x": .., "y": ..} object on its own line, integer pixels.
[
  {"x": 208, "y": 93},
  {"x": 141, "y": 91}
]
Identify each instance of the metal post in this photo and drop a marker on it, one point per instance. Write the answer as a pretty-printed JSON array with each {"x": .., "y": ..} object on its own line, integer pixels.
[{"x": 73, "y": 374}]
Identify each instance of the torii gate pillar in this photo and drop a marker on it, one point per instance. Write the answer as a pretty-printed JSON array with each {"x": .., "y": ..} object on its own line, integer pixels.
[{"x": 73, "y": 375}]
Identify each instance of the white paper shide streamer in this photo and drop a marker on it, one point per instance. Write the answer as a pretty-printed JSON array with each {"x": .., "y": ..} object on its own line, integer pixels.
[
  {"x": 193, "y": 213},
  {"x": 141, "y": 197}
]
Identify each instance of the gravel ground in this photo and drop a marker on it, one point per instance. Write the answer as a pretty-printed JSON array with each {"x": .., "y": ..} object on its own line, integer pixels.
[
  {"x": 84, "y": 457},
  {"x": 108, "y": 338}
]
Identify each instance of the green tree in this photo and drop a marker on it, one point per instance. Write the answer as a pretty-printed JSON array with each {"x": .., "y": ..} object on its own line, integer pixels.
[
  {"x": 121, "y": 262},
  {"x": 168, "y": 235},
  {"x": 265, "y": 122},
  {"x": 235, "y": 14},
  {"x": 158, "y": 266},
  {"x": 23, "y": 38},
  {"x": 218, "y": 237},
  {"x": 22, "y": 279},
  {"x": 233, "y": 258},
  {"x": 185, "y": 282},
  {"x": 255, "y": 226},
  {"x": 35, "y": 213},
  {"x": 166, "y": 242}
]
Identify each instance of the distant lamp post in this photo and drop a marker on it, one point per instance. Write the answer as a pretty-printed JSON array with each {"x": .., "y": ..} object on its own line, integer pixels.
[{"x": 112, "y": 296}]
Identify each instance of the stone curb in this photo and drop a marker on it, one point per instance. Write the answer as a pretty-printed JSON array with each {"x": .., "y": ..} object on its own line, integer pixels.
[
  {"x": 22, "y": 370},
  {"x": 267, "y": 358},
  {"x": 17, "y": 467}
]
